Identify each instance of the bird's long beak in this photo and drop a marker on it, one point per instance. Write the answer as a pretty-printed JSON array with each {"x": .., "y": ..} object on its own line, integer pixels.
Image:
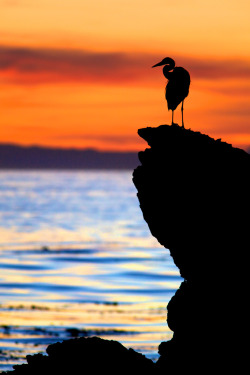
[{"x": 160, "y": 63}]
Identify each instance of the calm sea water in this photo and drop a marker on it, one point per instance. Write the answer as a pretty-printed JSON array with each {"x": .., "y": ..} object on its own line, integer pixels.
[{"x": 77, "y": 259}]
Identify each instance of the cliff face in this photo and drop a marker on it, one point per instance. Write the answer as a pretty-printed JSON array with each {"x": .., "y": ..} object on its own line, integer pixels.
[{"x": 194, "y": 195}]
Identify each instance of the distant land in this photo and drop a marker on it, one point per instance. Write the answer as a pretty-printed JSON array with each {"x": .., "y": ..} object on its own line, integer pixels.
[{"x": 19, "y": 157}]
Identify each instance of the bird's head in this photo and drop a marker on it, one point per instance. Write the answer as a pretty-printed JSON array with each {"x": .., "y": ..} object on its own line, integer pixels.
[{"x": 166, "y": 61}]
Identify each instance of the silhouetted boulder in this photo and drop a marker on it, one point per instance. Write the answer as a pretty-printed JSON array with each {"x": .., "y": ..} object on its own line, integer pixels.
[
  {"x": 86, "y": 356},
  {"x": 194, "y": 195}
]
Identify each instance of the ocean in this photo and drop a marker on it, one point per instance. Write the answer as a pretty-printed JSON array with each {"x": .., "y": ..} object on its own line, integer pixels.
[{"x": 77, "y": 259}]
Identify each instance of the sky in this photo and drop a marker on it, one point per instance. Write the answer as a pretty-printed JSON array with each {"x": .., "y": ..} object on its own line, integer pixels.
[{"x": 77, "y": 73}]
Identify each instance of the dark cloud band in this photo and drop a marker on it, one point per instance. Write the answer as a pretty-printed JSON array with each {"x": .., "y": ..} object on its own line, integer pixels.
[{"x": 30, "y": 65}]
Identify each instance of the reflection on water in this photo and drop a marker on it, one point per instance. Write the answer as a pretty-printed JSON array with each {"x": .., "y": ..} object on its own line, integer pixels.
[{"x": 78, "y": 259}]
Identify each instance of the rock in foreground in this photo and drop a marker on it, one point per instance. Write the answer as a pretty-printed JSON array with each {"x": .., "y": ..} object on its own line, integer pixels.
[
  {"x": 194, "y": 195},
  {"x": 86, "y": 356}
]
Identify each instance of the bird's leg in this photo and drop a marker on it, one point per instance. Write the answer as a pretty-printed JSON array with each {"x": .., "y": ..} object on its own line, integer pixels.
[
  {"x": 173, "y": 118},
  {"x": 182, "y": 113}
]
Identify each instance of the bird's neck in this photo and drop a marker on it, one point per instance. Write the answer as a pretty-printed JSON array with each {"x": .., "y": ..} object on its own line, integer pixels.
[{"x": 167, "y": 70}]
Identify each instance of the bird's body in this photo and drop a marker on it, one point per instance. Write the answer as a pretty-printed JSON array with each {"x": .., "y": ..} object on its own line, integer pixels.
[{"x": 177, "y": 88}]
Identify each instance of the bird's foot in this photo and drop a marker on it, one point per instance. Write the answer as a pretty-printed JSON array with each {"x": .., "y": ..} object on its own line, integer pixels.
[{"x": 174, "y": 124}]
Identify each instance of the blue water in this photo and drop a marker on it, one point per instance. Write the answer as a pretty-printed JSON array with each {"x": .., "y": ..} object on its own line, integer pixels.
[{"x": 75, "y": 252}]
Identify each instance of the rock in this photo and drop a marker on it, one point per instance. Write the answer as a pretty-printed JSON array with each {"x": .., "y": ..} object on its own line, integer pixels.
[
  {"x": 194, "y": 195},
  {"x": 81, "y": 356}
]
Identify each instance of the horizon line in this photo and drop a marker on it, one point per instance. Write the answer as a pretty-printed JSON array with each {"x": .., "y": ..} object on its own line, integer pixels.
[{"x": 67, "y": 148}]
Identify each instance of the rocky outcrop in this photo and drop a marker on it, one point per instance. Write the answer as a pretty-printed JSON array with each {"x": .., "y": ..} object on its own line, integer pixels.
[
  {"x": 86, "y": 356},
  {"x": 194, "y": 195}
]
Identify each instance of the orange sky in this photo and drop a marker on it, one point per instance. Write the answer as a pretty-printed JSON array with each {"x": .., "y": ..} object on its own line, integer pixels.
[{"x": 77, "y": 73}]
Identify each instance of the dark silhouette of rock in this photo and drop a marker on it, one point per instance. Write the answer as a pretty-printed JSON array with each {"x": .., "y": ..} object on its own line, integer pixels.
[
  {"x": 194, "y": 195},
  {"x": 86, "y": 356}
]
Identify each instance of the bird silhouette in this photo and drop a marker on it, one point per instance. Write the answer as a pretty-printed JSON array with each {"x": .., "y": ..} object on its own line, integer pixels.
[{"x": 177, "y": 88}]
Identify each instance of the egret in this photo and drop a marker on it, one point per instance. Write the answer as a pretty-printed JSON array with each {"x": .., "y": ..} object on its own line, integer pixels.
[{"x": 177, "y": 88}]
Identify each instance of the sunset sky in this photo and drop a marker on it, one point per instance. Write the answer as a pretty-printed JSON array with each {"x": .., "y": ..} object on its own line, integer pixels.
[{"x": 77, "y": 73}]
